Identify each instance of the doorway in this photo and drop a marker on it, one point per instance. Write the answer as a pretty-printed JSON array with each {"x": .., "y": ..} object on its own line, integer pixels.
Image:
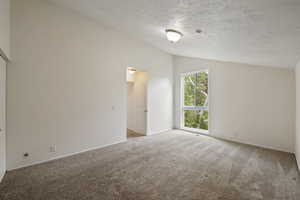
[
  {"x": 195, "y": 101},
  {"x": 137, "y": 81}
]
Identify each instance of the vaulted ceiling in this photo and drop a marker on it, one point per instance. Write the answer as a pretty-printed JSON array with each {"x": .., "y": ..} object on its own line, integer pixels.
[{"x": 262, "y": 32}]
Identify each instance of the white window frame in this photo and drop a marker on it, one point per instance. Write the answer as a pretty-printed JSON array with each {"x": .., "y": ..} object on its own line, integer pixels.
[{"x": 182, "y": 107}]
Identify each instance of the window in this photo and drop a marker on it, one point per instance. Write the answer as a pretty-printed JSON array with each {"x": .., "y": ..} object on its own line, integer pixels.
[{"x": 194, "y": 101}]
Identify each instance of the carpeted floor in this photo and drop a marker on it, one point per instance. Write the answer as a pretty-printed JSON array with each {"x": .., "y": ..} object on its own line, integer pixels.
[{"x": 170, "y": 166}]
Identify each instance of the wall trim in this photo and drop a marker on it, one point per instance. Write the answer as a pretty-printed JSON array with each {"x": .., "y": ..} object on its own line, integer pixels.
[
  {"x": 65, "y": 155},
  {"x": 251, "y": 144},
  {"x": 231, "y": 139}
]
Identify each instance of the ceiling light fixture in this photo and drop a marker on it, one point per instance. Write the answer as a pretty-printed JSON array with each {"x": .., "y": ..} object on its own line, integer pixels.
[
  {"x": 173, "y": 35},
  {"x": 131, "y": 70}
]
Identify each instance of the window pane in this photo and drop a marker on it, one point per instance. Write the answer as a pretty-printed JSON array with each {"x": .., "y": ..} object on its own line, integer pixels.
[
  {"x": 196, "y": 89},
  {"x": 189, "y": 90},
  {"x": 196, "y": 119},
  {"x": 195, "y": 108},
  {"x": 201, "y": 92}
]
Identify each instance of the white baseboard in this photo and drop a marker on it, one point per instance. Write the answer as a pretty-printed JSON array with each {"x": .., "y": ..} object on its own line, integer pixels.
[
  {"x": 1, "y": 176},
  {"x": 158, "y": 132},
  {"x": 232, "y": 139},
  {"x": 252, "y": 144},
  {"x": 65, "y": 155}
]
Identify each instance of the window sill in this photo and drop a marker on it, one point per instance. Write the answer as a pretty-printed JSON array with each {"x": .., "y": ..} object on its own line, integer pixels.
[{"x": 195, "y": 130}]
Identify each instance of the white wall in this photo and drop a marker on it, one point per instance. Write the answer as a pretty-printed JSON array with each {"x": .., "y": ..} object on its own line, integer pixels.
[
  {"x": 5, "y": 27},
  {"x": 249, "y": 104},
  {"x": 4, "y": 53},
  {"x": 2, "y": 118},
  {"x": 67, "y": 83},
  {"x": 297, "y": 141},
  {"x": 137, "y": 103}
]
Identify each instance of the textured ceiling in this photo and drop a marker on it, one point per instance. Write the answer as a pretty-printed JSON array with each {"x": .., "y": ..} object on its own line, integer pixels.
[{"x": 263, "y": 32}]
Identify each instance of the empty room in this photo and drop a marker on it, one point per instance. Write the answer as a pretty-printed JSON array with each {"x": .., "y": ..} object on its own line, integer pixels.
[{"x": 149, "y": 100}]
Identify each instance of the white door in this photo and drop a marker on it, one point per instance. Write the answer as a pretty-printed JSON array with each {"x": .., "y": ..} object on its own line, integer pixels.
[{"x": 2, "y": 117}]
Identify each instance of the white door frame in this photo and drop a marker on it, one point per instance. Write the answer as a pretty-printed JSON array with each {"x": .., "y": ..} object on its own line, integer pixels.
[{"x": 3, "y": 65}]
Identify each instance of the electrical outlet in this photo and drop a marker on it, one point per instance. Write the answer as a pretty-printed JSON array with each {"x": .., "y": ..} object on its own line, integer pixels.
[{"x": 53, "y": 148}]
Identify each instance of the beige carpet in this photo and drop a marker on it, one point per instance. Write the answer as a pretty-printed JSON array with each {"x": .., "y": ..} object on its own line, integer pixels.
[{"x": 169, "y": 166}]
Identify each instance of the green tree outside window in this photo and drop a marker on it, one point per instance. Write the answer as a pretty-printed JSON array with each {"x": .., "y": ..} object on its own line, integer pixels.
[{"x": 196, "y": 95}]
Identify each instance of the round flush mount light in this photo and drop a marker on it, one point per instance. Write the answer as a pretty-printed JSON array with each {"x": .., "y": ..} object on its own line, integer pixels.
[
  {"x": 131, "y": 70},
  {"x": 173, "y": 35}
]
